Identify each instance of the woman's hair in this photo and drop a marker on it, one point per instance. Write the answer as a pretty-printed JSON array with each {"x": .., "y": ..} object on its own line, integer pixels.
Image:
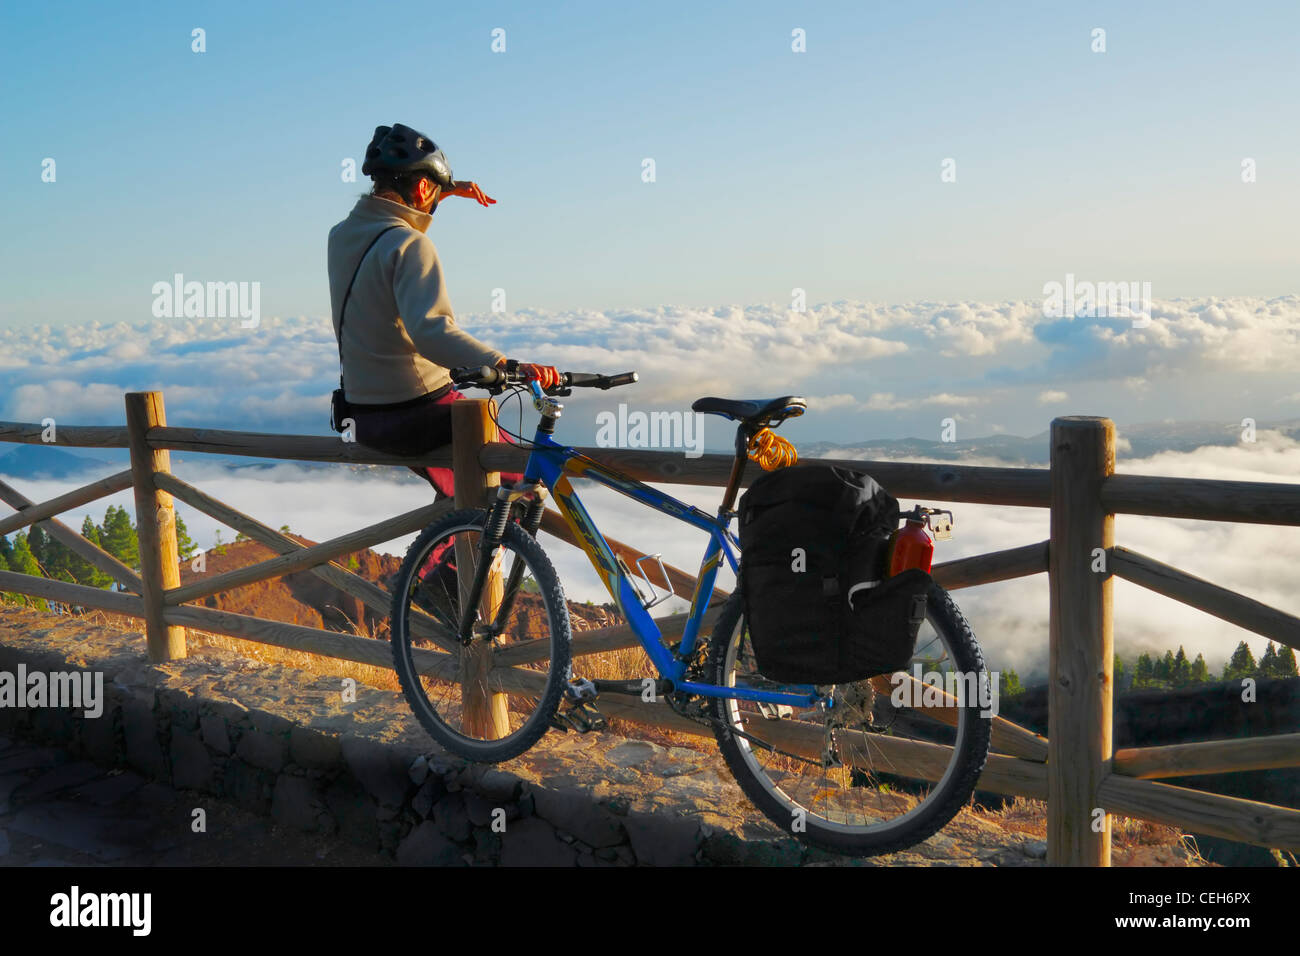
[{"x": 403, "y": 184}]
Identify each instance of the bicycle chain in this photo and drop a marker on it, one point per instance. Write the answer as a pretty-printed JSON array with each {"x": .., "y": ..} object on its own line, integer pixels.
[{"x": 696, "y": 709}]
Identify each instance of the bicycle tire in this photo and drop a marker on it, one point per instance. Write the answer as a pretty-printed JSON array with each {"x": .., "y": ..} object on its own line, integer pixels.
[
  {"x": 558, "y": 671},
  {"x": 939, "y": 806}
]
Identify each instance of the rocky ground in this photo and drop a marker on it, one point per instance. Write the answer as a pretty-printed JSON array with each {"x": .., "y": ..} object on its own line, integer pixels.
[{"x": 315, "y": 780}]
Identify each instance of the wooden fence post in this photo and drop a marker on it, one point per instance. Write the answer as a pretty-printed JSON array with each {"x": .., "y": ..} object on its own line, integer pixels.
[
  {"x": 1081, "y": 641},
  {"x": 485, "y": 715},
  {"x": 155, "y": 522}
]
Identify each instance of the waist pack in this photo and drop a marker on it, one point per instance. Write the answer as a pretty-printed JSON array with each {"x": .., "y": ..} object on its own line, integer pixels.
[{"x": 814, "y": 541}]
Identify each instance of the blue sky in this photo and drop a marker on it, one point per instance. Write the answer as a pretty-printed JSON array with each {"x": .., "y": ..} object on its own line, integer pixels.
[{"x": 775, "y": 170}]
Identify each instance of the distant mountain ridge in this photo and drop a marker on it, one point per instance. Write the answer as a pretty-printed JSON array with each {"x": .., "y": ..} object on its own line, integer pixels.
[
  {"x": 1144, "y": 440},
  {"x": 47, "y": 461}
]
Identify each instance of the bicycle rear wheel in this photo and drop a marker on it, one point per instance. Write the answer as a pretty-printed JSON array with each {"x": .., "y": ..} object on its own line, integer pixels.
[
  {"x": 877, "y": 772},
  {"x": 494, "y": 698}
]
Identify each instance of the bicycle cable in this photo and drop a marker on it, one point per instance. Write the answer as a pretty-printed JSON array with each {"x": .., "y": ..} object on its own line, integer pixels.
[{"x": 517, "y": 393}]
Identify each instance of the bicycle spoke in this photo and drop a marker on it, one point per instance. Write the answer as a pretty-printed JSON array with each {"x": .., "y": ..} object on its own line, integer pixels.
[
  {"x": 460, "y": 703},
  {"x": 869, "y": 764}
]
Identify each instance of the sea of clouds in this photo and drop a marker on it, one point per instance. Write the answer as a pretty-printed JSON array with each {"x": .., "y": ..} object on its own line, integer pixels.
[{"x": 869, "y": 371}]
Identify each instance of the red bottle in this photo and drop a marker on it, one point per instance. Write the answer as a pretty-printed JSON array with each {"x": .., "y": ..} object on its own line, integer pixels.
[{"x": 911, "y": 547}]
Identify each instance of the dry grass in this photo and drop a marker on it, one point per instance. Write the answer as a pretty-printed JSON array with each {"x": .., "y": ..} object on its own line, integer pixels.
[
  {"x": 1021, "y": 815},
  {"x": 382, "y": 678},
  {"x": 1029, "y": 817}
]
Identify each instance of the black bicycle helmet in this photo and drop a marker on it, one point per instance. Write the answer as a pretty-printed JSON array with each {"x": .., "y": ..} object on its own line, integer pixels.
[{"x": 400, "y": 149}]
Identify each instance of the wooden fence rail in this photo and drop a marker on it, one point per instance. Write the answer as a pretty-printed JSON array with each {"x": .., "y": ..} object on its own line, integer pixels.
[{"x": 1073, "y": 768}]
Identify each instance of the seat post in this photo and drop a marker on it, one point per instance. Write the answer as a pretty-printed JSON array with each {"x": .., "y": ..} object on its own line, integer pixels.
[{"x": 737, "y": 469}]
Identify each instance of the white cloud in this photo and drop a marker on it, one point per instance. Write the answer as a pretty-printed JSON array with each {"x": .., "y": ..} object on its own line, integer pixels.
[
  {"x": 826, "y": 403},
  {"x": 882, "y": 368},
  {"x": 66, "y": 400},
  {"x": 887, "y": 401}
]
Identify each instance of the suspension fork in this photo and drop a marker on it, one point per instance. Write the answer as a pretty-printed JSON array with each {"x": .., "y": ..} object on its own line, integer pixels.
[{"x": 534, "y": 495}]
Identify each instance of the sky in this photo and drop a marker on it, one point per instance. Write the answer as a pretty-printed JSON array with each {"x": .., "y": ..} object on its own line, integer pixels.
[
  {"x": 774, "y": 170},
  {"x": 872, "y": 222}
]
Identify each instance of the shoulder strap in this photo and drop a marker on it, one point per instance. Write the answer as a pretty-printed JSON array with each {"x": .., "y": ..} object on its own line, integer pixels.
[{"x": 348, "y": 294}]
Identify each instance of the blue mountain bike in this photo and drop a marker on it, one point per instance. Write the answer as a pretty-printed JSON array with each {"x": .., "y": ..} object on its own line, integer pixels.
[{"x": 864, "y": 768}]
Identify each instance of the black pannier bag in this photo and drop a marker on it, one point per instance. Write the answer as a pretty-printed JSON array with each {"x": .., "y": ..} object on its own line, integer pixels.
[{"x": 819, "y": 610}]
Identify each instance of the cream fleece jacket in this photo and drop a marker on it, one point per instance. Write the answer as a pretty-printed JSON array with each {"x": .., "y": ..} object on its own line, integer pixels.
[{"x": 400, "y": 337}]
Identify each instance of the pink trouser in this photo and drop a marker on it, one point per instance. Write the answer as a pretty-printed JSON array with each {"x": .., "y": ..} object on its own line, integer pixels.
[{"x": 444, "y": 485}]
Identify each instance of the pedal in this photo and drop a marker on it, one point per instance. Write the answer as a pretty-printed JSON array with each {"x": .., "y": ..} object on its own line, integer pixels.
[
  {"x": 579, "y": 690},
  {"x": 579, "y": 712},
  {"x": 583, "y": 718}
]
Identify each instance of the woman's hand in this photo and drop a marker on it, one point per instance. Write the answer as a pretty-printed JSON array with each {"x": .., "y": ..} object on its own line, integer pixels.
[
  {"x": 470, "y": 191},
  {"x": 545, "y": 375}
]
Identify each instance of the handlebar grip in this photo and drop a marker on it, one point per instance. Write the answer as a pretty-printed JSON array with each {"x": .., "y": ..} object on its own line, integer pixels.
[
  {"x": 482, "y": 375},
  {"x": 623, "y": 378},
  {"x": 590, "y": 380}
]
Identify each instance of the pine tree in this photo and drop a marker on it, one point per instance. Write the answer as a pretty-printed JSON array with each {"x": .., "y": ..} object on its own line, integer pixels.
[
  {"x": 1144, "y": 673},
  {"x": 82, "y": 570},
  {"x": 1286, "y": 662},
  {"x": 1268, "y": 662},
  {"x": 1165, "y": 668},
  {"x": 1009, "y": 684},
  {"x": 118, "y": 537},
  {"x": 1181, "y": 673},
  {"x": 57, "y": 559},
  {"x": 1242, "y": 664},
  {"x": 38, "y": 543},
  {"x": 6, "y": 550},
  {"x": 1118, "y": 676},
  {"x": 185, "y": 545},
  {"x": 1200, "y": 671},
  {"x": 24, "y": 562}
]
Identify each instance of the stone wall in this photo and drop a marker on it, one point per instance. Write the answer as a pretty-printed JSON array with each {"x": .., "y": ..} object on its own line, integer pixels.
[{"x": 287, "y": 743}]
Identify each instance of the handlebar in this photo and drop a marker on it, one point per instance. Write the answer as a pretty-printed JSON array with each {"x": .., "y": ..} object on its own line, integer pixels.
[{"x": 498, "y": 378}]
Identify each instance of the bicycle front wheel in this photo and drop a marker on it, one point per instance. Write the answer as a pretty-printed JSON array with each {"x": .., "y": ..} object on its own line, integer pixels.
[
  {"x": 493, "y": 698},
  {"x": 882, "y": 769}
]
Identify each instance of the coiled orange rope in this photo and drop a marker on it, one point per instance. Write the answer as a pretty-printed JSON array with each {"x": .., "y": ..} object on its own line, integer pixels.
[{"x": 771, "y": 451}]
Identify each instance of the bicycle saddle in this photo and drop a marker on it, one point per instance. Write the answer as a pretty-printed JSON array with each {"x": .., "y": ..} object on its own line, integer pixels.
[{"x": 755, "y": 410}]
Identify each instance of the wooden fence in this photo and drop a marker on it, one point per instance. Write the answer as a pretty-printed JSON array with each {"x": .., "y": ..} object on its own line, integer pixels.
[{"x": 1074, "y": 769}]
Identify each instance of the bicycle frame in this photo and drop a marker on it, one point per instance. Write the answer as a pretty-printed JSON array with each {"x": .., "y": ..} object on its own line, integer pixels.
[{"x": 555, "y": 465}]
